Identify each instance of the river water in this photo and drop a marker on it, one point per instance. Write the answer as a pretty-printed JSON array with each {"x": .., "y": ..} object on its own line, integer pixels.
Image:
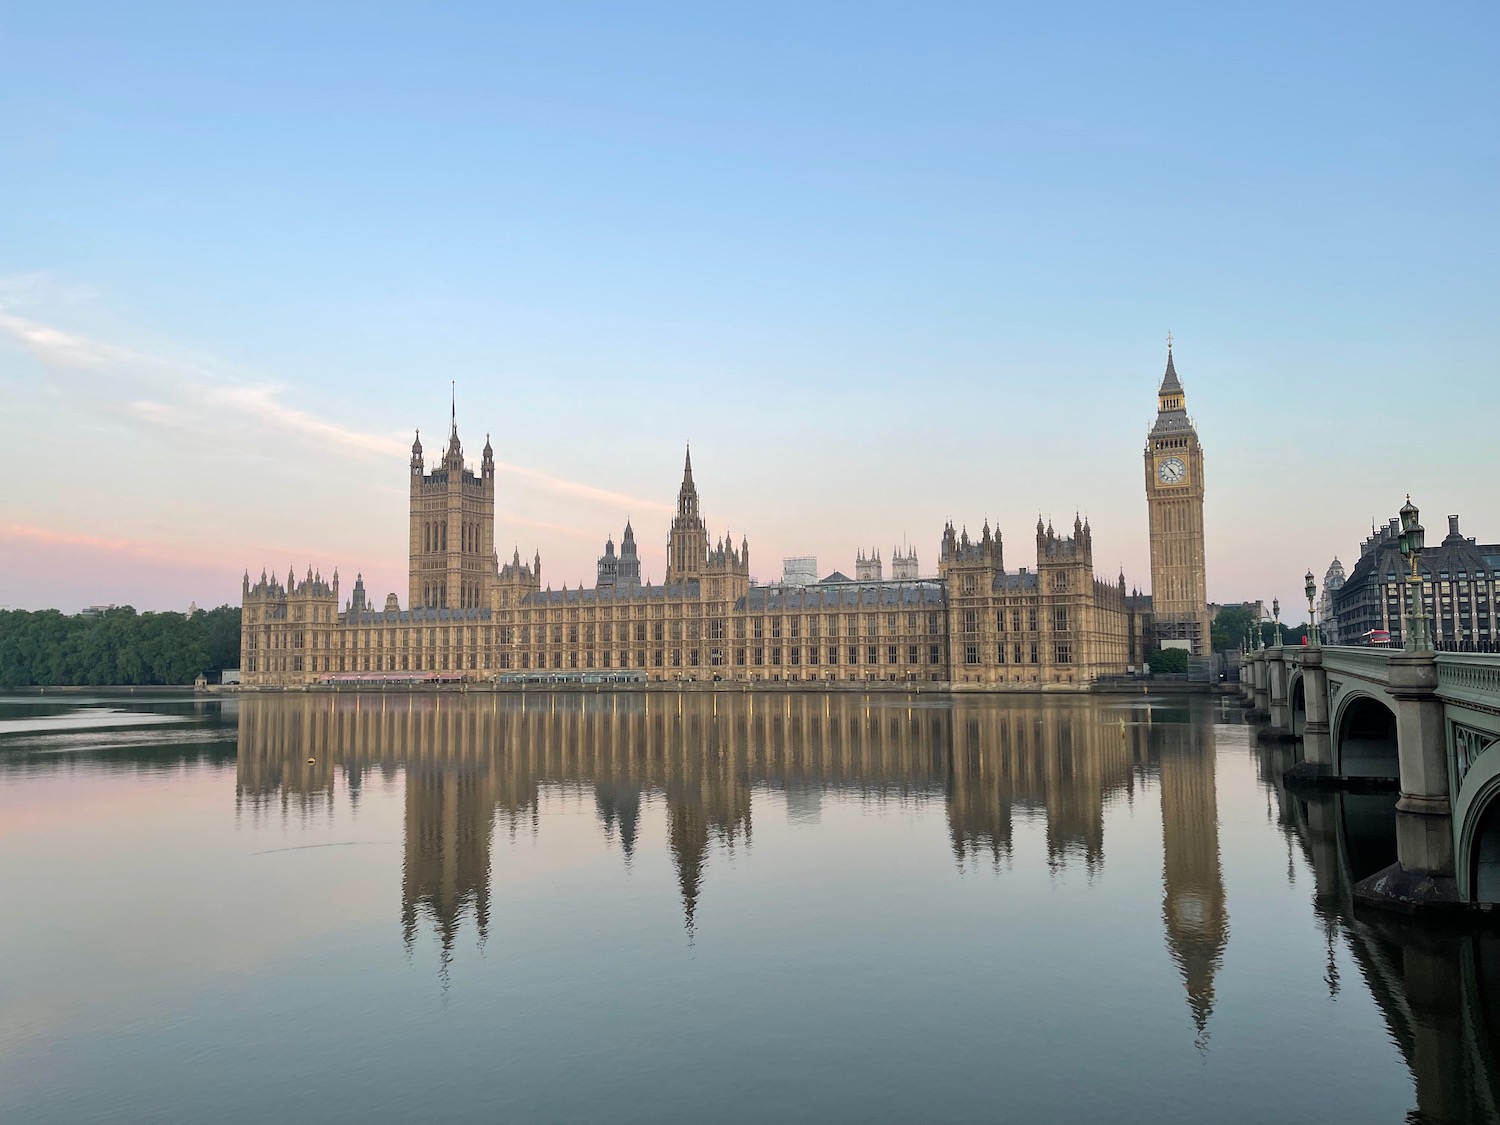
[{"x": 744, "y": 908}]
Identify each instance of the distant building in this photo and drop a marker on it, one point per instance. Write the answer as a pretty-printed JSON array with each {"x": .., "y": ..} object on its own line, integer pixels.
[
  {"x": 799, "y": 571},
  {"x": 904, "y": 566},
  {"x": 1333, "y": 581},
  {"x": 96, "y": 610},
  {"x": 1257, "y": 609},
  {"x": 867, "y": 568},
  {"x": 1459, "y": 578}
]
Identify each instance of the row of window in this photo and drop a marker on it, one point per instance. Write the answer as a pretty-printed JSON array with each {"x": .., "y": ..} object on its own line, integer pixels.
[
  {"x": 969, "y": 622},
  {"x": 812, "y": 655},
  {"x": 1062, "y": 653},
  {"x": 816, "y": 655}
]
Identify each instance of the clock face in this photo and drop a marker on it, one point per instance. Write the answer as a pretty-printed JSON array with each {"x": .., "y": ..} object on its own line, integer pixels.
[{"x": 1171, "y": 471}]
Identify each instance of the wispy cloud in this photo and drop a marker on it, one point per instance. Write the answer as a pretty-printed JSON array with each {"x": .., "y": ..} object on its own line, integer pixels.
[
  {"x": 584, "y": 491},
  {"x": 169, "y": 394},
  {"x": 175, "y": 554}
]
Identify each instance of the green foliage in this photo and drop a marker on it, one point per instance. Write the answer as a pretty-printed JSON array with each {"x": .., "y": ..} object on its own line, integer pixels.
[
  {"x": 1231, "y": 625},
  {"x": 1290, "y": 634},
  {"x": 1166, "y": 660},
  {"x": 119, "y": 646},
  {"x": 1234, "y": 623}
]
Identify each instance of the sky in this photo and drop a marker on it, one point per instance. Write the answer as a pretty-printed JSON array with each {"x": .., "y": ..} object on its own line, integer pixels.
[{"x": 884, "y": 266}]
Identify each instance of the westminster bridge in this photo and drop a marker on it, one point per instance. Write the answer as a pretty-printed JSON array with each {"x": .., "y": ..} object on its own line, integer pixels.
[{"x": 1426, "y": 723}]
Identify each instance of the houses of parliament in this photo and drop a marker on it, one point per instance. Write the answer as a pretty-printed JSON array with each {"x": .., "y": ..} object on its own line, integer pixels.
[{"x": 975, "y": 625}]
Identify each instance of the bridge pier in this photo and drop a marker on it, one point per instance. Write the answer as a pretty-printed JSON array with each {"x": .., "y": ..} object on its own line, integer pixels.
[
  {"x": 1317, "y": 740},
  {"x": 1423, "y": 874},
  {"x": 1260, "y": 700},
  {"x": 1280, "y": 712}
]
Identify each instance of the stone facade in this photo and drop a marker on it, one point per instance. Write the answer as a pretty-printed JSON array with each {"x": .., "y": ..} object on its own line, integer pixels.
[
  {"x": 1328, "y": 621},
  {"x": 472, "y": 619},
  {"x": 1460, "y": 590},
  {"x": 1174, "y": 495},
  {"x": 622, "y": 571}
]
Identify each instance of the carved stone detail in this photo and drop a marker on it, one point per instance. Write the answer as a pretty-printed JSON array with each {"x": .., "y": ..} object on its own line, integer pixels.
[{"x": 1468, "y": 744}]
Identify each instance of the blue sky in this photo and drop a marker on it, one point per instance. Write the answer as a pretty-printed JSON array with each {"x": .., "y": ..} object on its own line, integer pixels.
[{"x": 883, "y": 265}]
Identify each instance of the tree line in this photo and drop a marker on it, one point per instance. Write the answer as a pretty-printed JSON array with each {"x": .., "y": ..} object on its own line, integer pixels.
[
  {"x": 1232, "y": 624},
  {"x": 46, "y": 648}
]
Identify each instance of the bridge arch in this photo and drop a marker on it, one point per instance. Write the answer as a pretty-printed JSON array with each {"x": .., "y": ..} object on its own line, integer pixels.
[
  {"x": 1296, "y": 701},
  {"x": 1480, "y": 844},
  {"x": 1364, "y": 742}
]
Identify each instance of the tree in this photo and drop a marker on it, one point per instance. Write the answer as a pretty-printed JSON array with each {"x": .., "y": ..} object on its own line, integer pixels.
[
  {"x": 1169, "y": 660},
  {"x": 1230, "y": 626},
  {"x": 118, "y": 646}
]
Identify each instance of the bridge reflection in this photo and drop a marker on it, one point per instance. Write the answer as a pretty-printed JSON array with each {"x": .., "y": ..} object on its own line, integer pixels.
[
  {"x": 477, "y": 764},
  {"x": 1437, "y": 986}
]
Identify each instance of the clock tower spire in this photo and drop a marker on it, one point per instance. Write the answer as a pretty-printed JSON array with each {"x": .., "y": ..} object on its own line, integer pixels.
[{"x": 1174, "y": 497}]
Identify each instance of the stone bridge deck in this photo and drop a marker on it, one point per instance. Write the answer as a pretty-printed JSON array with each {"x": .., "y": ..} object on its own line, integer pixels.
[{"x": 1426, "y": 722}]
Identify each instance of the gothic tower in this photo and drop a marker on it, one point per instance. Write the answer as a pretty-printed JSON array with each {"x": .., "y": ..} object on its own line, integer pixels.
[
  {"x": 452, "y": 529},
  {"x": 1174, "y": 495},
  {"x": 687, "y": 543}
]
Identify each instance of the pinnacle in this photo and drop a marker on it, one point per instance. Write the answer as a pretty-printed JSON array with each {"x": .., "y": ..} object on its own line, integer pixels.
[{"x": 1169, "y": 382}]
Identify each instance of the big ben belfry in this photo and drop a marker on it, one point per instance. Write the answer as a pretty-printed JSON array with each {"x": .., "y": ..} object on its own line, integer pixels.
[{"x": 1174, "y": 495}]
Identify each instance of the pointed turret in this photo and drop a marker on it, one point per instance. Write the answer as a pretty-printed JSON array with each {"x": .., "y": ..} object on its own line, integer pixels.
[
  {"x": 1169, "y": 381},
  {"x": 687, "y": 495},
  {"x": 1171, "y": 401}
]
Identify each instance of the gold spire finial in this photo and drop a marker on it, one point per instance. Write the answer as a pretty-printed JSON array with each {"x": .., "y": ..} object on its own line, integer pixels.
[{"x": 1169, "y": 339}]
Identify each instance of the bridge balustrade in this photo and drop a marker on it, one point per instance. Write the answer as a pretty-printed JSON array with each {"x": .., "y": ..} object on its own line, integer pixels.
[{"x": 1430, "y": 719}]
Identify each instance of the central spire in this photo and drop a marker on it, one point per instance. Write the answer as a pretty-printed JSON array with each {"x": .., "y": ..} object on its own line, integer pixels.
[
  {"x": 453, "y": 405},
  {"x": 1169, "y": 382}
]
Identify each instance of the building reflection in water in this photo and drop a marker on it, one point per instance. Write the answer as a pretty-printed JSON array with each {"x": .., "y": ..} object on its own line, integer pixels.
[
  {"x": 1437, "y": 985},
  {"x": 477, "y": 763},
  {"x": 1193, "y": 904}
]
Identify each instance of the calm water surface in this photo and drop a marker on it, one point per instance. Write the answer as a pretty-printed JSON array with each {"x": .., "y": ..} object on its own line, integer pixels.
[{"x": 650, "y": 907}]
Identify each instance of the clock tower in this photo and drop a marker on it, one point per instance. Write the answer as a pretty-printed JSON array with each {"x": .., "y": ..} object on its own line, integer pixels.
[{"x": 1174, "y": 495}]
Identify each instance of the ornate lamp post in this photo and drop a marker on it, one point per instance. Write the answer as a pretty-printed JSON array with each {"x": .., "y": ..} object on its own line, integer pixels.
[
  {"x": 1413, "y": 539},
  {"x": 1276, "y": 613},
  {"x": 1311, "y": 590}
]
